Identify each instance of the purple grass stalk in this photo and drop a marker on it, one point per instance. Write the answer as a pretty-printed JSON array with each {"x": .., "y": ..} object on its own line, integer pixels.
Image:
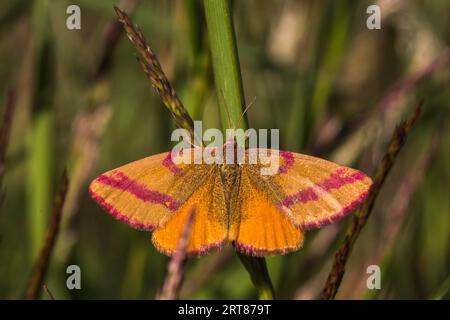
[
  {"x": 398, "y": 90},
  {"x": 89, "y": 124},
  {"x": 99, "y": 82},
  {"x": 5, "y": 131},
  {"x": 319, "y": 247},
  {"x": 402, "y": 199},
  {"x": 40, "y": 267},
  {"x": 48, "y": 292},
  {"x": 205, "y": 271},
  {"x": 405, "y": 194},
  {"x": 398, "y": 211},
  {"x": 361, "y": 216},
  {"x": 172, "y": 283},
  {"x": 112, "y": 37},
  {"x": 6, "y": 125}
]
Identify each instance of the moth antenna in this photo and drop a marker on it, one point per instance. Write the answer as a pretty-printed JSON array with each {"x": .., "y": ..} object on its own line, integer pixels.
[
  {"x": 227, "y": 111},
  {"x": 190, "y": 141},
  {"x": 246, "y": 109}
]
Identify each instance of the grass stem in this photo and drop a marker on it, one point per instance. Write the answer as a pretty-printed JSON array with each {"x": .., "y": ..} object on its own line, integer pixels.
[{"x": 230, "y": 94}]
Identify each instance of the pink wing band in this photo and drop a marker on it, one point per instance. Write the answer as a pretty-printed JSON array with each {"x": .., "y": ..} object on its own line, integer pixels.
[
  {"x": 337, "y": 216},
  {"x": 191, "y": 253},
  {"x": 288, "y": 161},
  {"x": 120, "y": 216},
  {"x": 168, "y": 163},
  {"x": 257, "y": 252},
  {"x": 336, "y": 180},
  {"x": 140, "y": 191}
]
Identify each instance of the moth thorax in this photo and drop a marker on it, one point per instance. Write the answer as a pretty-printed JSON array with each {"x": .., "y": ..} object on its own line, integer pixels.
[
  {"x": 233, "y": 154},
  {"x": 229, "y": 175}
]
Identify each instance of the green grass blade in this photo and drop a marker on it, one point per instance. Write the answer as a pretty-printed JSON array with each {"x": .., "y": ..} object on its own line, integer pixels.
[{"x": 231, "y": 102}]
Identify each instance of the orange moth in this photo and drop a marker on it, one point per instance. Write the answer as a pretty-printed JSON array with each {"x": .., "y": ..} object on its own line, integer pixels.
[{"x": 260, "y": 214}]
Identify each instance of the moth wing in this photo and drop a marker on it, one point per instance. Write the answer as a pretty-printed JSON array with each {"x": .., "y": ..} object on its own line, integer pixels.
[
  {"x": 315, "y": 192},
  {"x": 210, "y": 226},
  {"x": 155, "y": 193},
  {"x": 145, "y": 192},
  {"x": 258, "y": 226}
]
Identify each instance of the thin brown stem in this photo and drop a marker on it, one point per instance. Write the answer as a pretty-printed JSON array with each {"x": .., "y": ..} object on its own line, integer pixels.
[
  {"x": 361, "y": 216},
  {"x": 172, "y": 283},
  {"x": 210, "y": 266},
  {"x": 48, "y": 292},
  {"x": 393, "y": 94},
  {"x": 41, "y": 265},
  {"x": 5, "y": 131},
  {"x": 402, "y": 200},
  {"x": 6, "y": 124}
]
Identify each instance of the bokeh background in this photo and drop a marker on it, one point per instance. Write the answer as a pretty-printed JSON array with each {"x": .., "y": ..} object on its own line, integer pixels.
[{"x": 334, "y": 89}]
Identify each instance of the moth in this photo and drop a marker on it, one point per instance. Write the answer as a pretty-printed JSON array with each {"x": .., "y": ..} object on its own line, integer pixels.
[{"x": 235, "y": 203}]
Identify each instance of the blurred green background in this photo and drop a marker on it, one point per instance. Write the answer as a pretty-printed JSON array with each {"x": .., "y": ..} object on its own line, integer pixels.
[{"x": 334, "y": 88}]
